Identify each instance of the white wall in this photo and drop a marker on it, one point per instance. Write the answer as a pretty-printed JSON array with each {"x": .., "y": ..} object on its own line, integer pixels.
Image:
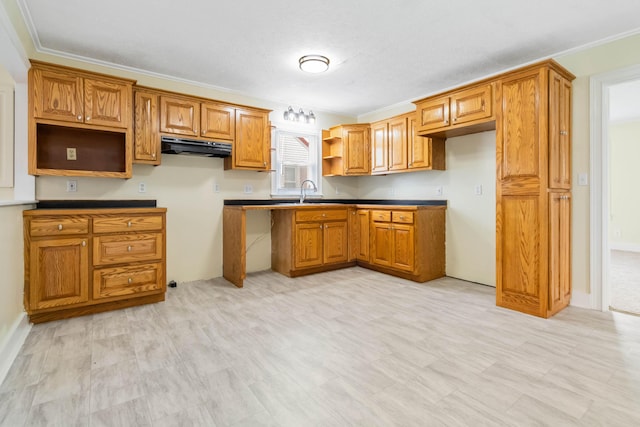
[{"x": 624, "y": 227}]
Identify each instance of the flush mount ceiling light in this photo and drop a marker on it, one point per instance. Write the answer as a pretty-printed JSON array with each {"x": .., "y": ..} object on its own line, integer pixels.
[{"x": 314, "y": 63}]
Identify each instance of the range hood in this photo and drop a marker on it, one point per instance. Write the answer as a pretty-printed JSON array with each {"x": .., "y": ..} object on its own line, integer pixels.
[{"x": 173, "y": 145}]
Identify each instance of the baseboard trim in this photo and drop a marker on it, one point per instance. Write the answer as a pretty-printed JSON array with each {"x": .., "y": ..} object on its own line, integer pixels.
[
  {"x": 15, "y": 338},
  {"x": 623, "y": 246},
  {"x": 581, "y": 299}
]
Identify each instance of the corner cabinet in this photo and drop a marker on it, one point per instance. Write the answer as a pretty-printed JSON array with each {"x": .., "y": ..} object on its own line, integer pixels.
[
  {"x": 252, "y": 144},
  {"x": 346, "y": 150},
  {"x": 86, "y": 261},
  {"x": 533, "y": 199},
  {"x": 79, "y": 123}
]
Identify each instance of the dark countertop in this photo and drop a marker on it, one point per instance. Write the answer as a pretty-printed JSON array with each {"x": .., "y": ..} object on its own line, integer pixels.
[
  {"x": 261, "y": 202},
  {"x": 94, "y": 204}
]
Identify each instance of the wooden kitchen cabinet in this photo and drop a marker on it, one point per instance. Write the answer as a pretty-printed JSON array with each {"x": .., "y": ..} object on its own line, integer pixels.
[
  {"x": 252, "y": 144},
  {"x": 532, "y": 218},
  {"x": 146, "y": 133},
  {"x": 362, "y": 234},
  {"x": 79, "y": 122},
  {"x": 84, "y": 261},
  {"x": 180, "y": 116},
  {"x": 346, "y": 150},
  {"x": 407, "y": 242},
  {"x": 309, "y": 240},
  {"x": 458, "y": 112},
  {"x": 217, "y": 121},
  {"x": 397, "y": 148}
]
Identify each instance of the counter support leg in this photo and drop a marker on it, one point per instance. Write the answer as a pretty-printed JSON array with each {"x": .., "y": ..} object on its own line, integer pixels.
[{"x": 234, "y": 267}]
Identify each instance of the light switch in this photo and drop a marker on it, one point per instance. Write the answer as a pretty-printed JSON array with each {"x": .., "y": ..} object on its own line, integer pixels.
[
  {"x": 71, "y": 154},
  {"x": 479, "y": 190},
  {"x": 583, "y": 179}
]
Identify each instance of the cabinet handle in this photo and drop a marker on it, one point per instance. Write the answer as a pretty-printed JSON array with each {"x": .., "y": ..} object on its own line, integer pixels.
[
  {"x": 79, "y": 117},
  {"x": 564, "y": 132},
  {"x": 88, "y": 118},
  {"x": 129, "y": 248},
  {"x": 84, "y": 243},
  {"x": 482, "y": 105},
  {"x": 129, "y": 280},
  {"x": 59, "y": 226},
  {"x": 402, "y": 217},
  {"x": 129, "y": 224}
]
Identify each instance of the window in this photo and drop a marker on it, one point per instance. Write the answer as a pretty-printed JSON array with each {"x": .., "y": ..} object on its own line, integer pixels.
[{"x": 295, "y": 159}]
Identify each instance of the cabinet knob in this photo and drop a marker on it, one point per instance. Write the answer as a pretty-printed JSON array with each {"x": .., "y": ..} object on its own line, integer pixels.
[
  {"x": 324, "y": 214},
  {"x": 320, "y": 226},
  {"x": 446, "y": 122},
  {"x": 153, "y": 155},
  {"x": 129, "y": 224},
  {"x": 59, "y": 226},
  {"x": 79, "y": 117},
  {"x": 410, "y": 164},
  {"x": 88, "y": 118},
  {"x": 129, "y": 280},
  {"x": 482, "y": 105},
  {"x": 203, "y": 132},
  {"x": 84, "y": 243},
  {"x": 402, "y": 217},
  {"x": 564, "y": 132},
  {"x": 129, "y": 248},
  {"x": 265, "y": 164},
  {"x": 455, "y": 118},
  {"x": 326, "y": 226}
]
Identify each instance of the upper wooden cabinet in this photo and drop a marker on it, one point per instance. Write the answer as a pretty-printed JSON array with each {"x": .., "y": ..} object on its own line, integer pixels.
[
  {"x": 146, "y": 136},
  {"x": 66, "y": 95},
  {"x": 395, "y": 147},
  {"x": 457, "y": 113},
  {"x": 217, "y": 121},
  {"x": 532, "y": 193},
  {"x": 252, "y": 143},
  {"x": 346, "y": 150},
  {"x": 79, "y": 123},
  {"x": 179, "y": 116}
]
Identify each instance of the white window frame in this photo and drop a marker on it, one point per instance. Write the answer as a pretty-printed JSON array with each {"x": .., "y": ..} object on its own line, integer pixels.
[{"x": 315, "y": 138}]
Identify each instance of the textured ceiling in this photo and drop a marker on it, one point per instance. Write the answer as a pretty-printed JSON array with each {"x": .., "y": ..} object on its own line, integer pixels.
[{"x": 382, "y": 52}]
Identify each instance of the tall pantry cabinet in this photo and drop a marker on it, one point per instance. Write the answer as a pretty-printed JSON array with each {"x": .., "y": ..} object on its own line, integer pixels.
[{"x": 533, "y": 194}]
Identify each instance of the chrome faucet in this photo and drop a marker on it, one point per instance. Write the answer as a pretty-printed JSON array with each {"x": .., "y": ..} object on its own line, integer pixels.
[{"x": 302, "y": 192}]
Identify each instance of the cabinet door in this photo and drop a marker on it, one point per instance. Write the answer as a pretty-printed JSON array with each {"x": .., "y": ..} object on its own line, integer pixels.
[
  {"x": 126, "y": 248},
  {"x": 559, "y": 251},
  {"x": 379, "y": 147},
  {"x": 218, "y": 121},
  {"x": 357, "y": 152},
  {"x": 472, "y": 104},
  {"x": 107, "y": 103},
  {"x": 403, "y": 249},
  {"x": 146, "y": 140},
  {"x": 127, "y": 281},
  {"x": 433, "y": 114},
  {"x": 57, "y": 96},
  {"x": 363, "y": 235},
  {"x": 336, "y": 242},
  {"x": 418, "y": 147},
  {"x": 308, "y": 245},
  {"x": 251, "y": 149},
  {"x": 58, "y": 272},
  {"x": 381, "y": 243},
  {"x": 180, "y": 116},
  {"x": 559, "y": 132},
  {"x": 398, "y": 143}
]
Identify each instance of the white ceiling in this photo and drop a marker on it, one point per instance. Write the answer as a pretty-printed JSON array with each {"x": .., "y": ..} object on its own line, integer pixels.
[{"x": 382, "y": 52}]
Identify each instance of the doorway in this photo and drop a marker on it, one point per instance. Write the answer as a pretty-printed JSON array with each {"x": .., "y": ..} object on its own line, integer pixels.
[{"x": 615, "y": 143}]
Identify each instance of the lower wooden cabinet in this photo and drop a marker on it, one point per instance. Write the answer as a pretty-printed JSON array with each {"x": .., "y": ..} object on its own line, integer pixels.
[
  {"x": 393, "y": 240},
  {"x": 85, "y": 261},
  {"x": 361, "y": 235},
  {"x": 309, "y": 240}
]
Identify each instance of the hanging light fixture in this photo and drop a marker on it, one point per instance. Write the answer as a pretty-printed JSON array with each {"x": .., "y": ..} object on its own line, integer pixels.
[
  {"x": 300, "y": 116},
  {"x": 314, "y": 63}
]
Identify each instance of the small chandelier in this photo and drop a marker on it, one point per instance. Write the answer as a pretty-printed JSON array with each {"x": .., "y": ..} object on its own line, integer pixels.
[
  {"x": 300, "y": 116},
  {"x": 314, "y": 63}
]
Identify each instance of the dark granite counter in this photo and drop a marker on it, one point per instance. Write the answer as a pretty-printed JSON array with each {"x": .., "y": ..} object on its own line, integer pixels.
[
  {"x": 387, "y": 202},
  {"x": 95, "y": 204}
]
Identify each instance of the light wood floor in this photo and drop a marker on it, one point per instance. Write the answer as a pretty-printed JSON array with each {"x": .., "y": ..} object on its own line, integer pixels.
[
  {"x": 350, "y": 347},
  {"x": 624, "y": 279}
]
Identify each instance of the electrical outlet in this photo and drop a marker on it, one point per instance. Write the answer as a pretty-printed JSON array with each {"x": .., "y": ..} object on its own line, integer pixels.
[
  {"x": 583, "y": 179},
  {"x": 479, "y": 190},
  {"x": 439, "y": 191},
  {"x": 142, "y": 187},
  {"x": 617, "y": 233},
  {"x": 337, "y": 190},
  {"x": 72, "y": 186},
  {"x": 71, "y": 154},
  {"x": 248, "y": 188},
  {"x": 216, "y": 187}
]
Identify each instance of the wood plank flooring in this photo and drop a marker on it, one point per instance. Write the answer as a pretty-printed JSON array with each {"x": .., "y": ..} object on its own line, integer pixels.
[{"x": 343, "y": 348}]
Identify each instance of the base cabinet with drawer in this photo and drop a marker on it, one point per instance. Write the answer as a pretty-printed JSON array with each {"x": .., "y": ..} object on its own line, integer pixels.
[
  {"x": 85, "y": 261},
  {"x": 309, "y": 240}
]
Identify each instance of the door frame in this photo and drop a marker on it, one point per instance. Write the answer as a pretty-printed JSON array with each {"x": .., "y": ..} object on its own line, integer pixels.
[{"x": 599, "y": 190}]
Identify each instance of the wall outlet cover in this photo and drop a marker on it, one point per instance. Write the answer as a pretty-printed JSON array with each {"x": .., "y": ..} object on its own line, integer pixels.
[
  {"x": 72, "y": 186},
  {"x": 142, "y": 187}
]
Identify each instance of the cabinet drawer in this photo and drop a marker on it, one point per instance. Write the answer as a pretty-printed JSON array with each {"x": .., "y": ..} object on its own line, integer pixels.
[
  {"x": 120, "y": 224},
  {"x": 402, "y": 217},
  {"x": 125, "y": 281},
  {"x": 120, "y": 249},
  {"x": 381, "y": 216},
  {"x": 58, "y": 226},
  {"x": 320, "y": 215}
]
